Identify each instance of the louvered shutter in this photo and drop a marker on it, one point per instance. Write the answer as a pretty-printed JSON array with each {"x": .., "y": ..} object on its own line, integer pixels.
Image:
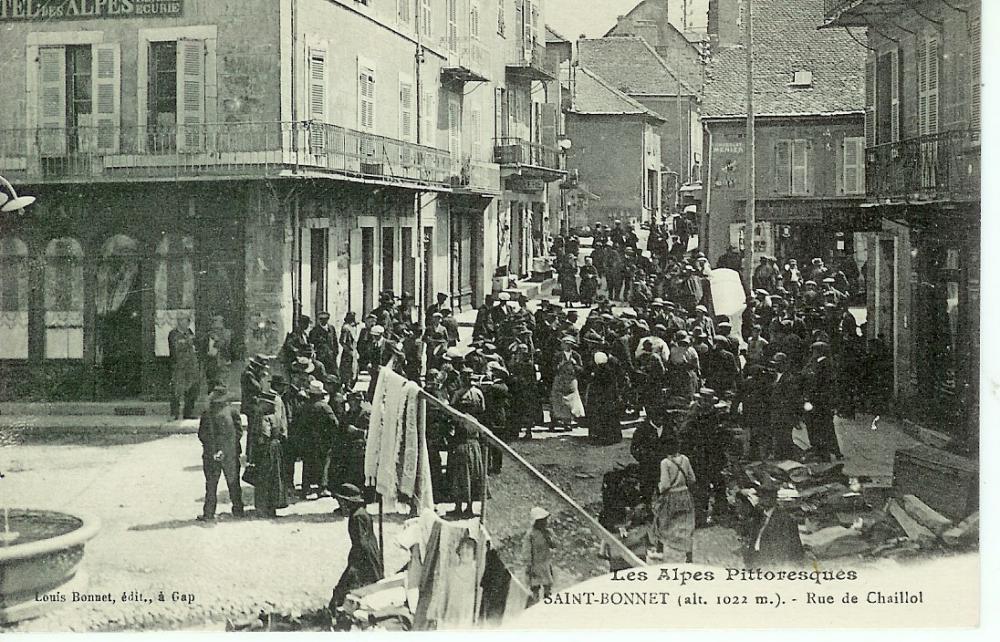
[
  {"x": 932, "y": 85},
  {"x": 474, "y": 19},
  {"x": 854, "y": 167},
  {"x": 477, "y": 134},
  {"x": 428, "y": 116},
  {"x": 190, "y": 94},
  {"x": 453, "y": 25},
  {"x": 454, "y": 128},
  {"x": 896, "y": 91},
  {"x": 405, "y": 109},
  {"x": 317, "y": 101},
  {"x": 403, "y": 9},
  {"x": 366, "y": 96},
  {"x": 549, "y": 124},
  {"x": 782, "y": 166},
  {"x": 52, "y": 101},
  {"x": 975, "y": 43},
  {"x": 106, "y": 76},
  {"x": 870, "y": 103},
  {"x": 800, "y": 167},
  {"x": 425, "y": 17}
]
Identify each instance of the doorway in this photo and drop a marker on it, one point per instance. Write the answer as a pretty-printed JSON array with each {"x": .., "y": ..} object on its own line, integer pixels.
[
  {"x": 428, "y": 266},
  {"x": 319, "y": 259},
  {"x": 388, "y": 259},
  {"x": 367, "y": 268},
  {"x": 119, "y": 319}
]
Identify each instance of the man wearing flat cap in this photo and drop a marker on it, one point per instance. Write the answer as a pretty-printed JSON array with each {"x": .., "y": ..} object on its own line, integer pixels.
[
  {"x": 219, "y": 432},
  {"x": 324, "y": 339},
  {"x": 706, "y": 441},
  {"x": 819, "y": 400}
]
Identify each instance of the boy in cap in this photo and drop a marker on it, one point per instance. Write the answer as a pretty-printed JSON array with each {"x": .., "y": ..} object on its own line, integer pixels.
[
  {"x": 219, "y": 432},
  {"x": 323, "y": 337}
]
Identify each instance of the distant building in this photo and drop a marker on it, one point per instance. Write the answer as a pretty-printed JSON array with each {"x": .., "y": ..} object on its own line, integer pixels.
[
  {"x": 616, "y": 152},
  {"x": 809, "y": 103}
]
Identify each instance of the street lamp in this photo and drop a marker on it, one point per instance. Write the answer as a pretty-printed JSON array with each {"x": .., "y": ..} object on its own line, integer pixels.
[{"x": 13, "y": 202}]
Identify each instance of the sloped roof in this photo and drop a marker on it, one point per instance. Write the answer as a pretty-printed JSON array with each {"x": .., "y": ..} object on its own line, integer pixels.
[
  {"x": 594, "y": 96},
  {"x": 551, "y": 35},
  {"x": 636, "y": 68},
  {"x": 690, "y": 38},
  {"x": 786, "y": 40}
]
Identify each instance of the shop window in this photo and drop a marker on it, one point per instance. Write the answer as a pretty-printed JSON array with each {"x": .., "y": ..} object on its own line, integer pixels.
[
  {"x": 64, "y": 299},
  {"x": 13, "y": 299},
  {"x": 173, "y": 285}
]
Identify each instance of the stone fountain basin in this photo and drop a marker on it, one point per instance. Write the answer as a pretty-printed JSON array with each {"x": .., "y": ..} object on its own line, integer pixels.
[{"x": 45, "y": 557}]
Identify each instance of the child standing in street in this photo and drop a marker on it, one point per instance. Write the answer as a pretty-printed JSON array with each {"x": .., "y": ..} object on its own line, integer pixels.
[{"x": 537, "y": 551}]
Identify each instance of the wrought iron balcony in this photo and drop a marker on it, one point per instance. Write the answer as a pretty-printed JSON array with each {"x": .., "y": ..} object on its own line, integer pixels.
[
  {"x": 937, "y": 167},
  {"x": 532, "y": 63},
  {"x": 475, "y": 177},
  {"x": 222, "y": 150},
  {"x": 517, "y": 152},
  {"x": 468, "y": 61}
]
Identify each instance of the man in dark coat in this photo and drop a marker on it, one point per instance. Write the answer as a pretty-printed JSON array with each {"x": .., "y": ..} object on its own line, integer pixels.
[
  {"x": 483, "y": 328},
  {"x": 722, "y": 367},
  {"x": 772, "y": 537},
  {"x": 219, "y": 432},
  {"x": 614, "y": 268},
  {"x": 706, "y": 442},
  {"x": 605, "y": 399},
  {"x": 496, "y": 396},
  {"x": 324, "y": 339},
  {"x": 364, "y": 560},
  {"x": 648, "y": 447},
  {"x": 184, "y": 369},
  {"x": 214, "y": 349},
  {"x": 820, "y": 393},
  {"x": 785, "y": 402},
  {"x": 317, "y": 424}
]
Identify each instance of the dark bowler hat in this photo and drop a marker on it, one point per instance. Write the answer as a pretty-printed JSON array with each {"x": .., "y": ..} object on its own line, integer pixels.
[
  {"x": 322, "y": 316},
  {"x": 349, "y": 493}
]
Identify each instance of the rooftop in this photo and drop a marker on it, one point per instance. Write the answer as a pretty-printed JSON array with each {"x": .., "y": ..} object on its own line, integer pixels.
[
  {"x": 595, "y": 96},
  {"x": 786, "y": 41},
  {"x": 634, "y": 65}
]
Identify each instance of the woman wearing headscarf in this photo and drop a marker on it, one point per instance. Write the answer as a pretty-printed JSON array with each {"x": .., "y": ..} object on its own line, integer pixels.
[
  {"x": 465, "y": 455},
  {"x": 567, "y": 405},
  {"x": 608, "y": 383}
]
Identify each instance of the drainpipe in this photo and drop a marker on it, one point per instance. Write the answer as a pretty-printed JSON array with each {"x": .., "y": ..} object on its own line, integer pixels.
[
  {"x": 418, "y": 234},
  {"x": 294, "y": 86},
  {"x": 706, "y": 183}
]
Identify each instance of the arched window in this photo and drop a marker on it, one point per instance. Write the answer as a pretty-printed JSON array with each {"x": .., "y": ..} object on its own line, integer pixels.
[
  {"x": 173, "y": 285},
  {"x": 64, "y": 299},
  {"x": 13, "y": 299}
]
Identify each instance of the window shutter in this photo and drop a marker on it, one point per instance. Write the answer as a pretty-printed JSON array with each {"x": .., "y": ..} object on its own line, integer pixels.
[
  {"x": 106, "y": 76},
  {"x": 403, "y": 11},
  {"x": 932, "y": 85},
  {"x": 317, "y": 101},
  {"x": 453, "y": 25},
  {"x": 474, "y": 19},
  {"x": 190, "y": 94},
  {"x": 428, "y": 109},
  {"x": 549, "y": 123},
  {"x": 870, "y": 103},
  {"x": 894, "y": 119},
  {"x": 405, "y": 109},
  {"x": 477, "y": 134},
  {"x": 454, "y": 128},
  {"x": 783, "y": 167},
  {"x": 854, "y": 170},
  {"x": 425, "y": 17},
  {"x": 52, "y": 101},
  {"x": 366, "y": 95},
  {"x": 800, "y": 167},
  {"x": 975, "y": 42}
]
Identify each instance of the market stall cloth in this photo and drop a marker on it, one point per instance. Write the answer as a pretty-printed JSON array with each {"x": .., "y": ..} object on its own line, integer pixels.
[{"x": 453, "y": 566}]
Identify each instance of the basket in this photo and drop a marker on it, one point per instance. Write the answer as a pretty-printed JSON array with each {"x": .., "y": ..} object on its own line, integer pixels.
[{"x": 944, "y": 481}]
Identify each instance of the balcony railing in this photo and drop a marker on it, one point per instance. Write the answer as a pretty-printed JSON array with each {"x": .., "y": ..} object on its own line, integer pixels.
[
  {"x": 532, "y": 62},
  {"x": 942, "y": 166},
  {"x": 476, "y": 176},
  {"x": 221, "y": 149},
  {"x": 468, "y": 61},
  {"x": 516, "y": 152}
]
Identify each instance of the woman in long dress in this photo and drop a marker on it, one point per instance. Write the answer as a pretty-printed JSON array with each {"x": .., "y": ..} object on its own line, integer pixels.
[
  {"x": 567, "y": 406},
  {"x": 270, "y": 492},
  {"x": 608, "y": 382},
  {"x": 673, "y": 507},
  {"x": 567, "y": 269},
  {"x": 349, "y": 351},
  {"x": 465, "y": 455}
]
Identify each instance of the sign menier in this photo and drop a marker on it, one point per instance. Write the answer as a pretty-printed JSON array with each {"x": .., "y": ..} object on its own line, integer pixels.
[{"x": 40, "y": 10}]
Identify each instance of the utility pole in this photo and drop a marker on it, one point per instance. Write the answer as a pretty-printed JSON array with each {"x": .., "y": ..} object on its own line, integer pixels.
[{"x": 751, "y": 211}]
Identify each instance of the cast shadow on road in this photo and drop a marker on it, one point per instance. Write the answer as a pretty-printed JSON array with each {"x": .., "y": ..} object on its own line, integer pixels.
[{"x": 226, "y": 518}]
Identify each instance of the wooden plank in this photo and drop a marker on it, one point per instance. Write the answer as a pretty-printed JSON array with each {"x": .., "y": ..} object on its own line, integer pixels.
[
  {"x": 925, "y": 515},
  {"x": 599, "y": 530},
  {"x": 917, "y": 533}
]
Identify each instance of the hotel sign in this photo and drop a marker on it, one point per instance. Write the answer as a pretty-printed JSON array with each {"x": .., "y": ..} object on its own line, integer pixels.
[{"x": 42, "y": 10}]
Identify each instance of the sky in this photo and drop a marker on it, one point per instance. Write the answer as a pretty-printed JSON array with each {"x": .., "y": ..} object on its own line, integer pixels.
[{"x": 591, "y": 17}]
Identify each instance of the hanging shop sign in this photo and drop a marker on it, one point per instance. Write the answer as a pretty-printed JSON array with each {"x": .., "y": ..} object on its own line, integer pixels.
[{"x": 40, "y": 10}]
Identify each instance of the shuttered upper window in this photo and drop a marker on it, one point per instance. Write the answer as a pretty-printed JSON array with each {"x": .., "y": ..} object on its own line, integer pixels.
[
  {"x": 425, "y": 18},
  {"x": 407, "y": 106},
  {"x": 976, "y": 45},
  {"x": 854, "y": 165},
  {"x": 792, "y": 172},
  {"x": 366, "y": 95},
  {"x": 317, "y": 100},
  {"x": 928, "y": 64}
]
